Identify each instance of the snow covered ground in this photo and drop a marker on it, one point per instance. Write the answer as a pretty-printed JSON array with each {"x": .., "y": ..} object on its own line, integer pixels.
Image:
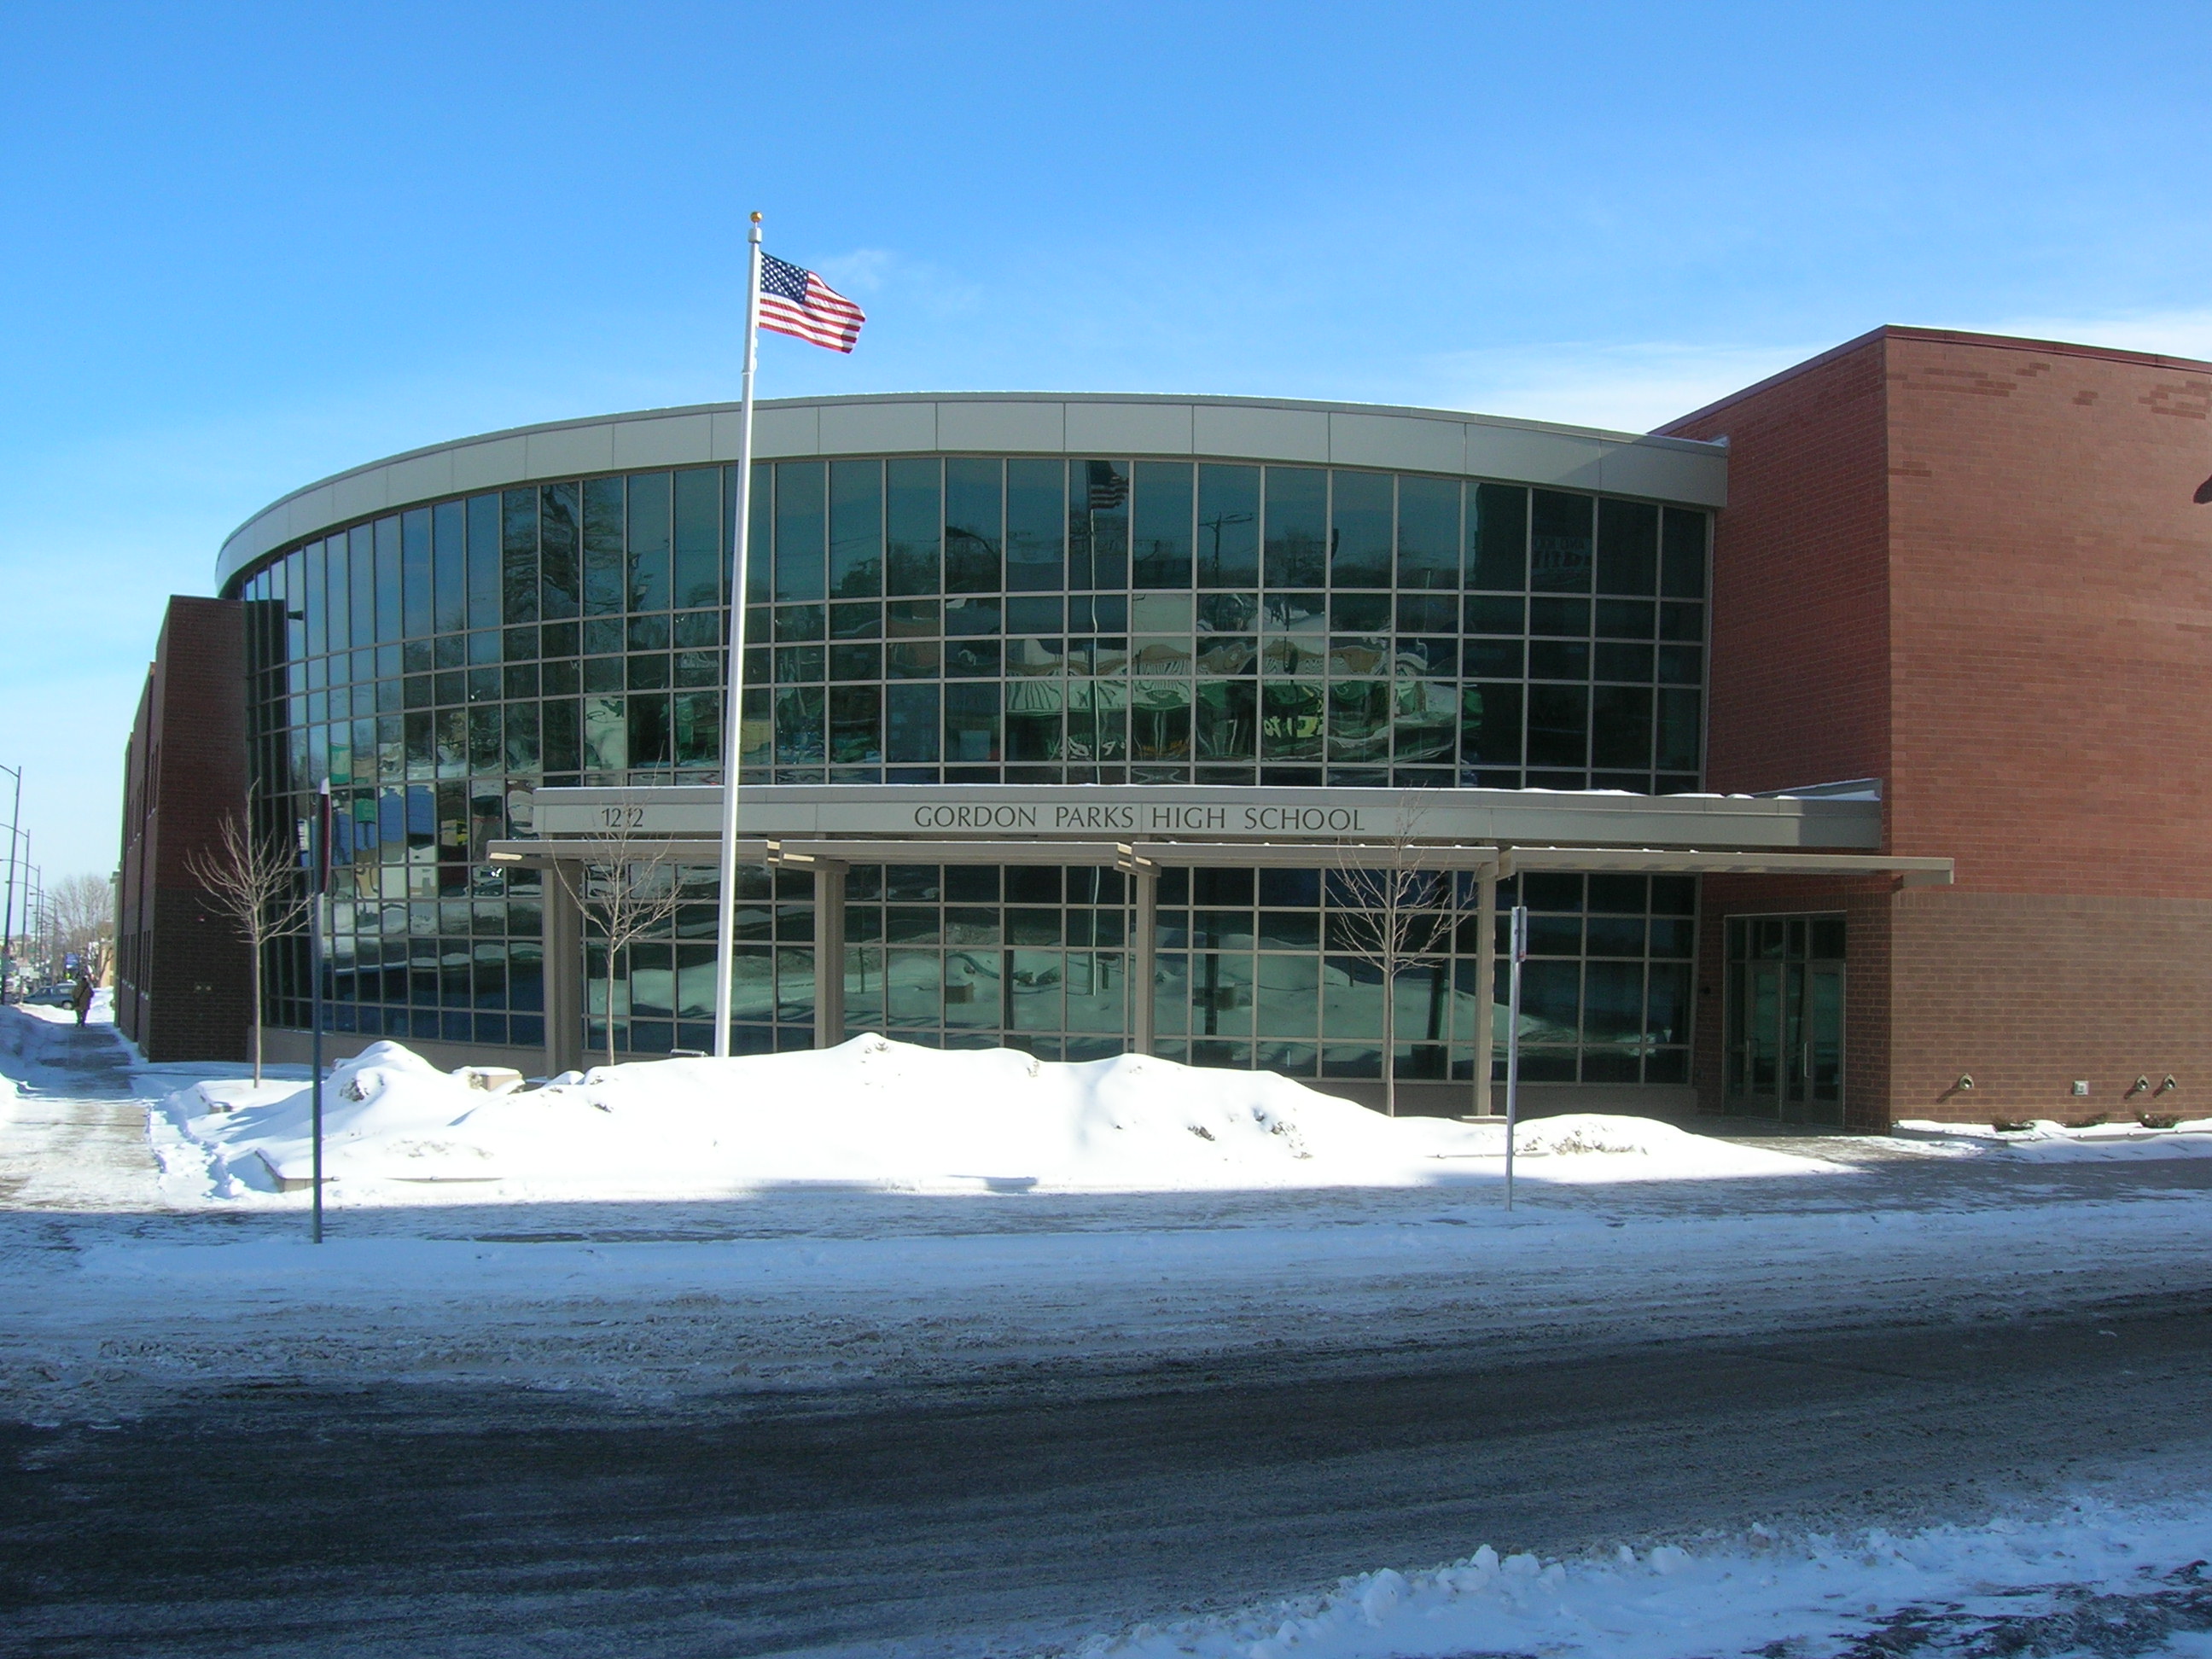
[
  {"x": 886, "y": 1218},
  {"x": 2087, "y": 1579},
  {"x": 873, "y": 1114},
  {"x": 2045, "y": 1140}
]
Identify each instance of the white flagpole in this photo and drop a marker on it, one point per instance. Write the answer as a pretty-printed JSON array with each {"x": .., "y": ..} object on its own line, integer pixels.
[{"x": 733, "y": 691}]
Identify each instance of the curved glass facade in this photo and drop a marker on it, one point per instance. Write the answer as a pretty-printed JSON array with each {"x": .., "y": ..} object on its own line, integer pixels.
[{"x": 962, "y": 619}]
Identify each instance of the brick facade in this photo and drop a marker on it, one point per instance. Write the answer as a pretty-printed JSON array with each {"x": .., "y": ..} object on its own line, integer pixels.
[
  {"x": 182, "y": 970},
  {"x": 1972, "y": 568}
]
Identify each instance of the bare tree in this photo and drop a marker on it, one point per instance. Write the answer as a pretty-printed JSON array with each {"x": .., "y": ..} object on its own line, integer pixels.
[
  {"x": 83, "y": 911},
  {"x": 1399, "y": 915},
  {"x": 633, "y": 892},
  {"x": 254, "y": 880}
]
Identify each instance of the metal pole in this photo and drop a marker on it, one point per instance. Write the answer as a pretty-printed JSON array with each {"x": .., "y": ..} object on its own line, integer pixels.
[
  {"x": 8, "y": 923},
  {"x": 1513, "y": 1042},
  {"x": 319, "y": 831},
  {"x": 733, "y": 693}
]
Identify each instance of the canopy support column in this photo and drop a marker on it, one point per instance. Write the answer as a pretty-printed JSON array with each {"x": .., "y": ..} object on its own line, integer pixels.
[
  {"x": 1144, "y": 942},
  {"x": 829, "y": 952},
  {"x": 564, "y": 972}
]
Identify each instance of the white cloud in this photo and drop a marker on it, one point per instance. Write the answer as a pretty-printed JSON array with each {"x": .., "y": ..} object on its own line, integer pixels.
[
  {"x": 1630, "y": 387},
  {"x": 2169, "y": 333}
]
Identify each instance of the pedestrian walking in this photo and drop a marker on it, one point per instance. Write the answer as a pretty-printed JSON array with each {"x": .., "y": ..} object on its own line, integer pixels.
[{"x": 80, "y": 998}]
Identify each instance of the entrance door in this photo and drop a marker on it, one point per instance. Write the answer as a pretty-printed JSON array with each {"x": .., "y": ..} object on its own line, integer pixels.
[{"x": 1785, "y": 1050}]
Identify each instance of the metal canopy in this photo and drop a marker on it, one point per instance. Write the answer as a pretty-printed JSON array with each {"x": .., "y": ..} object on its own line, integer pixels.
[
  {"x": 1504, "y": 860},
  {"x": 1490, "y": 834},
  {"x": 1278, "y": 814}
]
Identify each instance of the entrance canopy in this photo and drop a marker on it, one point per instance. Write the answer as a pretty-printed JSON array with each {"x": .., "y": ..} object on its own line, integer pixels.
[
  {"x": 1501, "y": 830},
  {"x": 1137, "y": 829}
]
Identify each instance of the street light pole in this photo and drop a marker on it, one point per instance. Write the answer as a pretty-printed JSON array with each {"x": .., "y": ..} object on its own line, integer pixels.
[{"x": 7, "y": 918}]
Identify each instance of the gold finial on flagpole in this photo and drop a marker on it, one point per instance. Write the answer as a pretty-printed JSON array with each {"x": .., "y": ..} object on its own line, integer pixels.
[{"x": 757, "y": 218}]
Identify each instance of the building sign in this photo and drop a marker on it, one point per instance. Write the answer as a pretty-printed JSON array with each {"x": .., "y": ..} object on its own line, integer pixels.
[{"x": 1187, "y": 812}]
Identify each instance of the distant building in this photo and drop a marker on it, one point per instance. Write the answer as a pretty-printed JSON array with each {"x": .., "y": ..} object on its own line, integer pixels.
[
  {"x": 1932, "y": 598},
  {"x": 180, "y": 970}
]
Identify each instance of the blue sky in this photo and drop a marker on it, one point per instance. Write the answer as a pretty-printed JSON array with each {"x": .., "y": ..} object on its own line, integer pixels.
[{"x": 244, "y": 246}]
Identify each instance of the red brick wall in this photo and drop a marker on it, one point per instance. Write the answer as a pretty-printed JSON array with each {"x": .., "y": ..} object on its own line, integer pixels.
[
  {"x": 2026, "y": 993},
  {"x": 1972, "y": 568},
  {"x": 1799, "y": 681},
  {"x": 181, "y": 989},
  {"x": 2051, "y": 616}
]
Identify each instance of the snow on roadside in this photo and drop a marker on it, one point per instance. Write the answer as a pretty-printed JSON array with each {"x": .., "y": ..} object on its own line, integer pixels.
[
  {"x": 2045, "y": 1140},
  {"x": 873, "y": 1114},
  {"x": 2090, "y": 1578}
]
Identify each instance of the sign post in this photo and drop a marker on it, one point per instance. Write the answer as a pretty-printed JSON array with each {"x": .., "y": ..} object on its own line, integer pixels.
[
  {"x": 318, "y": 883},
  {"x": 1520, "y": 954}
]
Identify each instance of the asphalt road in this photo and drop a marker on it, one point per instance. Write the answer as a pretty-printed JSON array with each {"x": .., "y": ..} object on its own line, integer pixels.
[{"x": 419, "y": 1522}]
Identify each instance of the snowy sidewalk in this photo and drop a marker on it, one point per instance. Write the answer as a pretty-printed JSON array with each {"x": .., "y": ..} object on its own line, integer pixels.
[{"x": 72, "y": 1130}]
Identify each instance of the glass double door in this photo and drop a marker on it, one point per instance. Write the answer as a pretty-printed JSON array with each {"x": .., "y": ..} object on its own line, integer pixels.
[{"x": 1786, "y": 1017}]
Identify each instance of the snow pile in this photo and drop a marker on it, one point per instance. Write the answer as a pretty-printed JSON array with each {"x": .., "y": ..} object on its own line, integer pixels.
[
  {"x": 871, "y": 1112},
  {"x": 2089, "y": 1580},
  {"x": 2048, "y": 1141}
]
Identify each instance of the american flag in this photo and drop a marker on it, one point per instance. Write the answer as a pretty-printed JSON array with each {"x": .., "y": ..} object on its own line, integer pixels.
[{"x": 799, "y": 303}]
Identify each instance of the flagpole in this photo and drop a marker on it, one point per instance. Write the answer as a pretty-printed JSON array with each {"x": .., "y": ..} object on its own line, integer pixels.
[{"x": 733, "y": 691}]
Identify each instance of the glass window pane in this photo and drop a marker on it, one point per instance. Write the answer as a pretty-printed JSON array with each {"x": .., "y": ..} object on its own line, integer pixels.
[
  {"x": 1097, "y": 525},
  {"x": 1360, "y": 530},
  {"x": 359, "y": 546},
  {"x": 606, "y": 735},
  {"x": 1160, "y": 525},
  {"x": 1228, "y": 721},
  {"x": 856, "y": 528},
  {"x": 391, "y": 581},
  {"x": 518, "y": 556},
  {"x": 971, "y": 723},
  {"x": 415, "y": 571},
  {"x": 698, "y": 571},
  {"x": 1428, "y": 532},
  {"x": 1228, "y": 526},
  {"x": 1558, "y": 725},
  {"x": 1627, "y": 547},
  {"x": 1560, "y": 542},
  {"x": 1621, "y": 726},
  {"x": 974, "y": 524},
  {"x": 1297, "y": 527},
  {"x": 856, "y": 725},
  {"x": 698, "y": 728},
  {"x": 799, "y": 711},
  {"x": 1684, "y": 561},
  {"x": 910, "y": 723},
  {"x": 1667, "y": 1003},
  {"x": 1037, "y": 525},
  {"x": 1497, "y": 537},
  {"x": 483, "y": 559},
  {"x": 1291, "y": 723},
  {"x": 1613, "y": 1003},
  {"x": 916, "y": 526},
  {"x": 650, "y": 524},
  {"x": 1680, "y": 720},
  {"x": 321, "y": 625},
  {"x": 1551, "y": 1001},
  {"x": 1159, "y": 721},
  {"x": 604, "y": 576},
  {"x": 801, "y": 530},
  {"x": 557, "y": 532},
  {"x": 1490, "y": 725}
]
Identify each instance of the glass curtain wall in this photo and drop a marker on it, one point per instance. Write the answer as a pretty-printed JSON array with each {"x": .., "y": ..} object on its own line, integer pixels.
[{"x": 964, "y": 619}]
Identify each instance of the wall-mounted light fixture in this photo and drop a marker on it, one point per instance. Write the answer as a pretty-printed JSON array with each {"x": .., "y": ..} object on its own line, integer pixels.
[
  {"x": 2168, "y": 1086},
  {"x": 1966, "y": 1082},
  {"x": 2142, "y": 1086}
]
